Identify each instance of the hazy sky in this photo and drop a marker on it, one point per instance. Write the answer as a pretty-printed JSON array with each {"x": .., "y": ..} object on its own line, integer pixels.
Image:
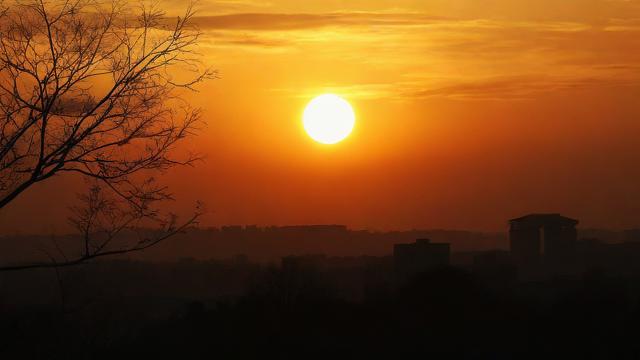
[{"x": 469, "y": 112}]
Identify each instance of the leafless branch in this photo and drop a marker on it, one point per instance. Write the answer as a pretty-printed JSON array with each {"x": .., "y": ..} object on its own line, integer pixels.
[
  {"x": 93, "y": 88},
  {"x": 88, "y": 89},
  {"x": 110, "y": 226}
]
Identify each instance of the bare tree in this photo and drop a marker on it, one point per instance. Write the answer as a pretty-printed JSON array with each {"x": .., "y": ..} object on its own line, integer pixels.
[
  {"x": 87, "y": 87},
  {"x": 108, "y": 226}
]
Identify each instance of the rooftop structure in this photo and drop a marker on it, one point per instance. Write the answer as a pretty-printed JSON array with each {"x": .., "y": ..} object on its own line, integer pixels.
[{"x": 537, "y": 237}]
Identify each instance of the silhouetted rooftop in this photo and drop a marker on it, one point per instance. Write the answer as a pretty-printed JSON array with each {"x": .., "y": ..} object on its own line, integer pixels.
[{"x": 540, "y": 219}]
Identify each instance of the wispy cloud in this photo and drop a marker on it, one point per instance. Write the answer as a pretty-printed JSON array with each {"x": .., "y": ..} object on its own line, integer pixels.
[
  {"x": 521, "y": 87},
  {"x": 497, "y": 88},
  {"x": 464, "y": 58},
  {"x": 268, "y": 21},
  {"x": 247, "y": 39}
]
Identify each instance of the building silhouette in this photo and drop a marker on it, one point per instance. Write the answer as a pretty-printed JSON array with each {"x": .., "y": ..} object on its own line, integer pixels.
[
  {"x": 423, "y": 255},
  {"x": 543, "y": 239}
]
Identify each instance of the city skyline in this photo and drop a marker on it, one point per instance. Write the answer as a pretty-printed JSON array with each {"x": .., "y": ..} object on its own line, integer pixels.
[{"x": 467, "y": 115}]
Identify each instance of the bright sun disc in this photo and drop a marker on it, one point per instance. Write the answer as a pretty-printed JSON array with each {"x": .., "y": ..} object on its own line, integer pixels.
[{"x": 328, "y": 119}]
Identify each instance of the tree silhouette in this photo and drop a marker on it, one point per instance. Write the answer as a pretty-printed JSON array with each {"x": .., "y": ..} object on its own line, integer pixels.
[{"x": 94, "y": 89}]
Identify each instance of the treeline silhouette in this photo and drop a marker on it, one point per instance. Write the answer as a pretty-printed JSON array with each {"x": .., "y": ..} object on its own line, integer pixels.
[{"x": 314, "y": 307}]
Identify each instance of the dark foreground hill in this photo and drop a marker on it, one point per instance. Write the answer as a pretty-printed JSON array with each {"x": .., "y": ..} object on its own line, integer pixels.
[{"x": 346, "y": 308}]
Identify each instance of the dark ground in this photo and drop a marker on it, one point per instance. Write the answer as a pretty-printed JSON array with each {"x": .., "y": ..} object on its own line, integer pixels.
[{"x": 353, "y": 308}]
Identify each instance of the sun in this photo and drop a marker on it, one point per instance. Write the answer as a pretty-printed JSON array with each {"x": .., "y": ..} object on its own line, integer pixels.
[{"x": 328, "y": 119}]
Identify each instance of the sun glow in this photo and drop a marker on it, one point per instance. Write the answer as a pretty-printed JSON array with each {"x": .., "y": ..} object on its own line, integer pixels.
[{"x": 328, "y": 119}]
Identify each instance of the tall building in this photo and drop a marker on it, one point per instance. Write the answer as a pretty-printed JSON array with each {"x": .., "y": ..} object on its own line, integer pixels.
[{"x": 543, "y": 239}]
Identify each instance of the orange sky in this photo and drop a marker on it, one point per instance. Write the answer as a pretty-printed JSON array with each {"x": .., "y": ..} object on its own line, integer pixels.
[{"x": 469, "y": 112}]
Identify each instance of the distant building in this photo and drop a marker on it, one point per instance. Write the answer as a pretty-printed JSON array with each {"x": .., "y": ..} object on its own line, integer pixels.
[
  {"x": 492, "y": 258},
  {"x": 410, "y": 259},
  {"x": 495, "y": 269},
  {"x": 232, "y": 229},
  {"x": 619, "y": 258},
  {"x": 311, "y": 261},
  {"x": 315, "y": 228},
  {"x": 543, "y": 237}
]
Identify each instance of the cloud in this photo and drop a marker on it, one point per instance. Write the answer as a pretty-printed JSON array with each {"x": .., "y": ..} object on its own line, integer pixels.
[
  {"x": 266, "y": 21},
  {"x": 365, "y": 91},
  {"x": 485, "y": 89},
  {"x": 177, "y": 7},
  {"x": 628, "y": 25},
  {"x": 244, "y": 39},
  {"x": 513, "y": 88},
  {"x": 460, "y": 58}
]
